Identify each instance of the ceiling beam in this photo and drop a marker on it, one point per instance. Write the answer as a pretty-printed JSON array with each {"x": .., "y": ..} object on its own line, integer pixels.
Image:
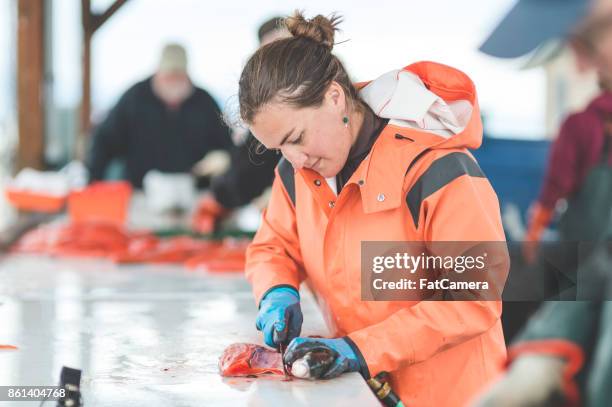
[
  {"x": 91, "y": 23},
  {"x": 100, "y": 19}
]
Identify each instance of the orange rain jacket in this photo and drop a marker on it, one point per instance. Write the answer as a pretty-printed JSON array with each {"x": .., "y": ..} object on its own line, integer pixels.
[{"x": 437, "y": 353}]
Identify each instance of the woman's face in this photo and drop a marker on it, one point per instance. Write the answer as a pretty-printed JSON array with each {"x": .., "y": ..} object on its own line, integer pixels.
[
  {"x": 314, "y": 138},
  {"x": 601, "y": 38},
  {"x": 598, "y": 33}
]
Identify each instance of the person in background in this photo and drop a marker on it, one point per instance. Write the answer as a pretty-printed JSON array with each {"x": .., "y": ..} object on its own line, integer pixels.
[
  {"x": 163, "y": 123},
  {"x": 378, "y": 161},
  {"x": 251, "y": 169},
  {"x": 562, "y": 356},
  {"x": 584, "y": 142}
]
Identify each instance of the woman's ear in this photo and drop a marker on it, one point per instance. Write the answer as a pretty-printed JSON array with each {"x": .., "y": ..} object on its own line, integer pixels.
[{"x": 335, "y": 94}]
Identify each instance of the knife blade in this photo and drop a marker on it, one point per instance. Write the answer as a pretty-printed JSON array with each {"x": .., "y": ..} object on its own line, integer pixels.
[{"x": 281, "y": 348}]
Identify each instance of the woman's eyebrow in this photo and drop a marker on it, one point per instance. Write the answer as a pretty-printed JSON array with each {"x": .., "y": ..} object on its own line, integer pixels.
[{"x": 287, "y": 136}]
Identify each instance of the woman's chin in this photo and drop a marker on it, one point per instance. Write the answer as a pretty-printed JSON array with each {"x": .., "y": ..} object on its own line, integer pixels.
[{"x": 326, "y": 173}]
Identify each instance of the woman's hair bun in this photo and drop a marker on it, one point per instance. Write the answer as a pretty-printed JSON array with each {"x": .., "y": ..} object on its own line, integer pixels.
[{"x": 320, "y": 29}]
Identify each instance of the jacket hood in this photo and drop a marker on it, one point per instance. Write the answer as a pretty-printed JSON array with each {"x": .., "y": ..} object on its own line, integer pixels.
[{"x": 430, "y": 101}]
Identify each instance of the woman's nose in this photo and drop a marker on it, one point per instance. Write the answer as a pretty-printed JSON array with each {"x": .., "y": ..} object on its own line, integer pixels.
[{"x": 295, "y": 157}]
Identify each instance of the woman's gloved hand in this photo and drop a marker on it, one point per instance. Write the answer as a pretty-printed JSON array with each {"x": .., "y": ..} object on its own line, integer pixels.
[
  {"x": 326, "y": 358},
  {"x": 533, "y": 380},
  {"x": 539, "y": 218},
  {"x": 280, "y": 316}
]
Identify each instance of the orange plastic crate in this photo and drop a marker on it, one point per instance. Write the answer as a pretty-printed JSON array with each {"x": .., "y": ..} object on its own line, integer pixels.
[
  {"x": 35, "y": 202},
  {"x": 101, "y": 202}
]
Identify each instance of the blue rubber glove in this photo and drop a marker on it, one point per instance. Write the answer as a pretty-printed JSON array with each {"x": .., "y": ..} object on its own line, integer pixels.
[
  {"x": 280, "y": 316},
  {"x": 343, "y": 358}
]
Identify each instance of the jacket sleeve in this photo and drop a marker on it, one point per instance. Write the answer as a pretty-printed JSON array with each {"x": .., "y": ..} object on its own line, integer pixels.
[
  {"x": 249, "y": 174},
  {"x": 418, "y": 332},
  {"x": 110, "y": 138},
  {"x": 562, "y": 171},
  {"x": 561, "y": 177},
  {"x": 274, "y": 257}
]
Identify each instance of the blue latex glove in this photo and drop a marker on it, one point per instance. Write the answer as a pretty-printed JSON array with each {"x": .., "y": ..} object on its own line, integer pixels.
[
  {"x": 280, "y": 316},
  {"x": 343, "y": 358}
]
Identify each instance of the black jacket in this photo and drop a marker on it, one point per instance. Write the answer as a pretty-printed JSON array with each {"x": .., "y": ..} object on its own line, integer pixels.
[
  {"x": 250, "y": 173},
  {"x": 147, "y": 135}
]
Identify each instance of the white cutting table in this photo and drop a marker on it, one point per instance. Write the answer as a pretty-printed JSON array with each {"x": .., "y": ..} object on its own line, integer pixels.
[{"x": 144, "y": 336}]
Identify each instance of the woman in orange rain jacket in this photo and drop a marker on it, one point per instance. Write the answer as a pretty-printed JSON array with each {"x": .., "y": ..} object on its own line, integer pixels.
[{"x": 382, "y": 161}]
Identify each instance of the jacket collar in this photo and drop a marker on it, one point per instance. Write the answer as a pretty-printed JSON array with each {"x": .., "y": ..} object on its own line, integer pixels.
[
  {"x": 381, "y": 175},
  {"x": 602, "y": 103}
]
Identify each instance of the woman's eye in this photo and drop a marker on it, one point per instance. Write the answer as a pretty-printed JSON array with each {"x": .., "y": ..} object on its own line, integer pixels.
[{"x": 298, "y": 140}]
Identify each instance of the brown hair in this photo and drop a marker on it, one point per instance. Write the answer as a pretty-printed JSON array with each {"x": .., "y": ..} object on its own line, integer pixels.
[{"x": 296, "y": 70}]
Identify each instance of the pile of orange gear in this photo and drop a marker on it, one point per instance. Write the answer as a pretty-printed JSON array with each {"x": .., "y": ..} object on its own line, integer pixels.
[
  {"x": 113, "y": 242},
  {"x": 226, "y": 255},
  {"x": 76, "y": 239}
]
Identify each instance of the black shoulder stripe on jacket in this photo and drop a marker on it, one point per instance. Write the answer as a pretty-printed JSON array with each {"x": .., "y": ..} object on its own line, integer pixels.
[
  {"x": 285, "y": 170},
  {"x": 441, "y": 172}
]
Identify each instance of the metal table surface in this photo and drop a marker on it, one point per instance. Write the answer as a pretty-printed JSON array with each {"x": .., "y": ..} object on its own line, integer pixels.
[{"x": 144, "y": 336}]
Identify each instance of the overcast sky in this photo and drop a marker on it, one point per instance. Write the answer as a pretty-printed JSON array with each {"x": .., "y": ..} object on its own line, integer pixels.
[{"x": 382, "y": 35}]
